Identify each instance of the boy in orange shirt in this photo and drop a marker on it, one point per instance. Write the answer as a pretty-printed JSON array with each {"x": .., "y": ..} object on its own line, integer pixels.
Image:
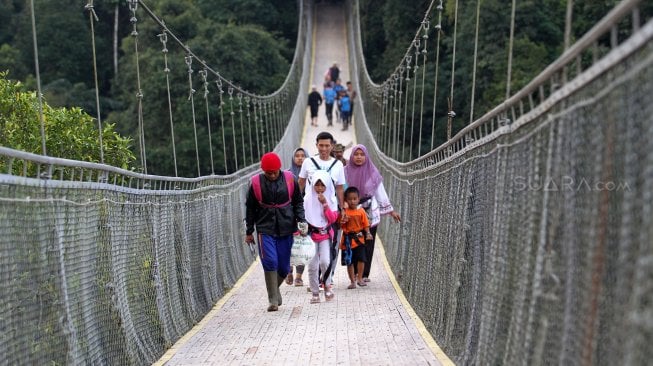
[{"x": 355, "y": 231}]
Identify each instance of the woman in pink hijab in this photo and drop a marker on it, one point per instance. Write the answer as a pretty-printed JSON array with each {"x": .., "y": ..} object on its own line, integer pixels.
[{"x": 361, "y": 173}]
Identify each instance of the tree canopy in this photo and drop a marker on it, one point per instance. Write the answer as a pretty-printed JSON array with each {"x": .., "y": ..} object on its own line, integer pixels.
[
  {"x": 389, "y": 26},
  {"x": 71, "y": 133},
  {"x": 250, "y": 42}
]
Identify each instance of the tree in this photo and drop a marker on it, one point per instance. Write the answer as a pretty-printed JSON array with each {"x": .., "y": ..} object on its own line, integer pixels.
[
  {"x": 70, "y": 133},
  {"x": 250, "y": 42},
  {"x": 537, "y": 42},
  {"x": 247, "y": 54},
  {"x": 273, "y": 16},
  {"x": 11, "y": 62}
]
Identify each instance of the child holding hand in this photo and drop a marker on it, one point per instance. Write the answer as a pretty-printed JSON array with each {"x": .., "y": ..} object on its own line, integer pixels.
[
  {"x": 321, "y": 210},
  {"x": 355, "y": 232}
]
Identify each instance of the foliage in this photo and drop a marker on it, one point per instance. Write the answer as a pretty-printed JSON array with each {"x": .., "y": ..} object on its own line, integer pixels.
[
  {"x": 538, "y": 41},
  {"x": 10, "y": 60},
  {"x": 65, "y": 52},
  {"x": 273, "y": 16},
  {"x": 71, "y": 133},
  {"x": 243, "y": 51},
  {"x": 250, "y": 42}
]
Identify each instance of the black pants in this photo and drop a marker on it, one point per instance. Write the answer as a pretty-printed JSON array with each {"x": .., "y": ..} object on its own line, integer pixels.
[
  {"x": 329, "y": 111},
  {"x": 369, "y": 251}
]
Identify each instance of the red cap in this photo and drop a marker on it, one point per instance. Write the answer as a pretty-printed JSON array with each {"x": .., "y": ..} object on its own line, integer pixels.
[{"x": 270, "y": 162}]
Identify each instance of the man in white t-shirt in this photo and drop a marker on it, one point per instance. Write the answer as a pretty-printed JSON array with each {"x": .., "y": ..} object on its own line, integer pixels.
[{"x": 324, "y": 161}]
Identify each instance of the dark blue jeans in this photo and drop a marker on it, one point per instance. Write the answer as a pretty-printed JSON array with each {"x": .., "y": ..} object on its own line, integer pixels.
[{"x": 275, "y": 253}]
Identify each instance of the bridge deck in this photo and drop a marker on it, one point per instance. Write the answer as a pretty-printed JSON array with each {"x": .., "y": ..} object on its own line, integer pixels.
[
  {"x": 367, "y": 326},
  {"x": 370, "y": 325}
]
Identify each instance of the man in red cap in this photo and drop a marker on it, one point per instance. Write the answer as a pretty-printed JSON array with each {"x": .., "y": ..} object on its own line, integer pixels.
[{"x": 275, "y": 207}]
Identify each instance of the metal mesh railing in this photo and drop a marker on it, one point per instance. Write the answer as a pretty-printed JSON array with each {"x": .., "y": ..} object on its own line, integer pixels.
[
  {"x": 530, "y": 243},
  {"x": 522, "y": 243},
  {"x": 105, "y": 266},
  {"x": 104, "y": 274}
]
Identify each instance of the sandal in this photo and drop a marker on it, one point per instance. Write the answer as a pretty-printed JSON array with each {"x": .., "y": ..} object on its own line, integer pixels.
[
  {"x": 351, "y": 286},
  {"x": 362, "y": 283},
  {"x": 289, "y": 279},
  {"x": 365, "y": 279},
  {"x": 315, "y": 299},
  {"x": 299, "y": 282},
  {"x": 328, "y": 295}
]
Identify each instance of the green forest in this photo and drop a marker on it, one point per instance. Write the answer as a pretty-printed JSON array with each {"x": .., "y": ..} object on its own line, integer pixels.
[
  {"x": 252, "y": 43},
  {"x": 389, "y": 26}
]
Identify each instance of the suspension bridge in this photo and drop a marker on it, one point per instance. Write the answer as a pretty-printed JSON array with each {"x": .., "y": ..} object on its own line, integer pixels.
[{"x": 526, "y": 236}]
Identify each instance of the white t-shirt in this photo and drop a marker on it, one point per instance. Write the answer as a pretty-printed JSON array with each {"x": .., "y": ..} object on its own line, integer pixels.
[{"x": 337, "y": 172}]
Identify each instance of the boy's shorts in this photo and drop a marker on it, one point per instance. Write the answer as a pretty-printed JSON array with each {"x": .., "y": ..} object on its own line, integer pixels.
[{"x": 358, "y": 255}]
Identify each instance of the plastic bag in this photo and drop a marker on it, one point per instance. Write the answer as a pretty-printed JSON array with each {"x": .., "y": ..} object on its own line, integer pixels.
[{"x": 303, "y": 250}]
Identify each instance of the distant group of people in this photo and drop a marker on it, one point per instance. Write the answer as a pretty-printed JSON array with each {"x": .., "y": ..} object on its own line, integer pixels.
[
  {"x": 310, "y": 199},
  {"x": 334, "y": 94}
]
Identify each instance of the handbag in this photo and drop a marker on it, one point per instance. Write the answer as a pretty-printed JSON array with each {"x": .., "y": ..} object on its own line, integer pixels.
[
  {"x": 366, "y": 203},
  {"x": 302, "y": 251}
]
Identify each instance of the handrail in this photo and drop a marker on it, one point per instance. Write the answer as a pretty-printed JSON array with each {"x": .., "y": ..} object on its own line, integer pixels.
[{"x": 490, "y": 123}]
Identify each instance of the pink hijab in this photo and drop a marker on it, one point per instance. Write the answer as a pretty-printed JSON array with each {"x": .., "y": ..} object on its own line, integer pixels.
[{"x": 365, "y": 177}]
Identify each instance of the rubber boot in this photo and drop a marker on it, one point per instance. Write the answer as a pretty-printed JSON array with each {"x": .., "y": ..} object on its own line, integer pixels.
[
  {"x": 272, "y": 282},
  {"x": 280, "y": 280}
]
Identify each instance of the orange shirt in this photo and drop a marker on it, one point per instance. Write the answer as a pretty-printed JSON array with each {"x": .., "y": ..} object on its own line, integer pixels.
[{"x": 356, "y": 222}]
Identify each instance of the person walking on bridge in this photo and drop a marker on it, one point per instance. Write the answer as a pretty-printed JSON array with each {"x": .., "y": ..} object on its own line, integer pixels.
[
  {"x": 314, "y": 102},
  {"x": 275, "y": 208},
  {"x": 324, "y": 161},
  {"x": 334, "y": 71},
  {"x": 339, "y": 152},
  {"x": 329, "y": 101},
  {"x": 321, "y": 207},
  {"x": 298, "y": 157},
  {"x": 352, "y": 96},
  {"x": 361, "y": 172},
  {"x": 344, "y": 104}
]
